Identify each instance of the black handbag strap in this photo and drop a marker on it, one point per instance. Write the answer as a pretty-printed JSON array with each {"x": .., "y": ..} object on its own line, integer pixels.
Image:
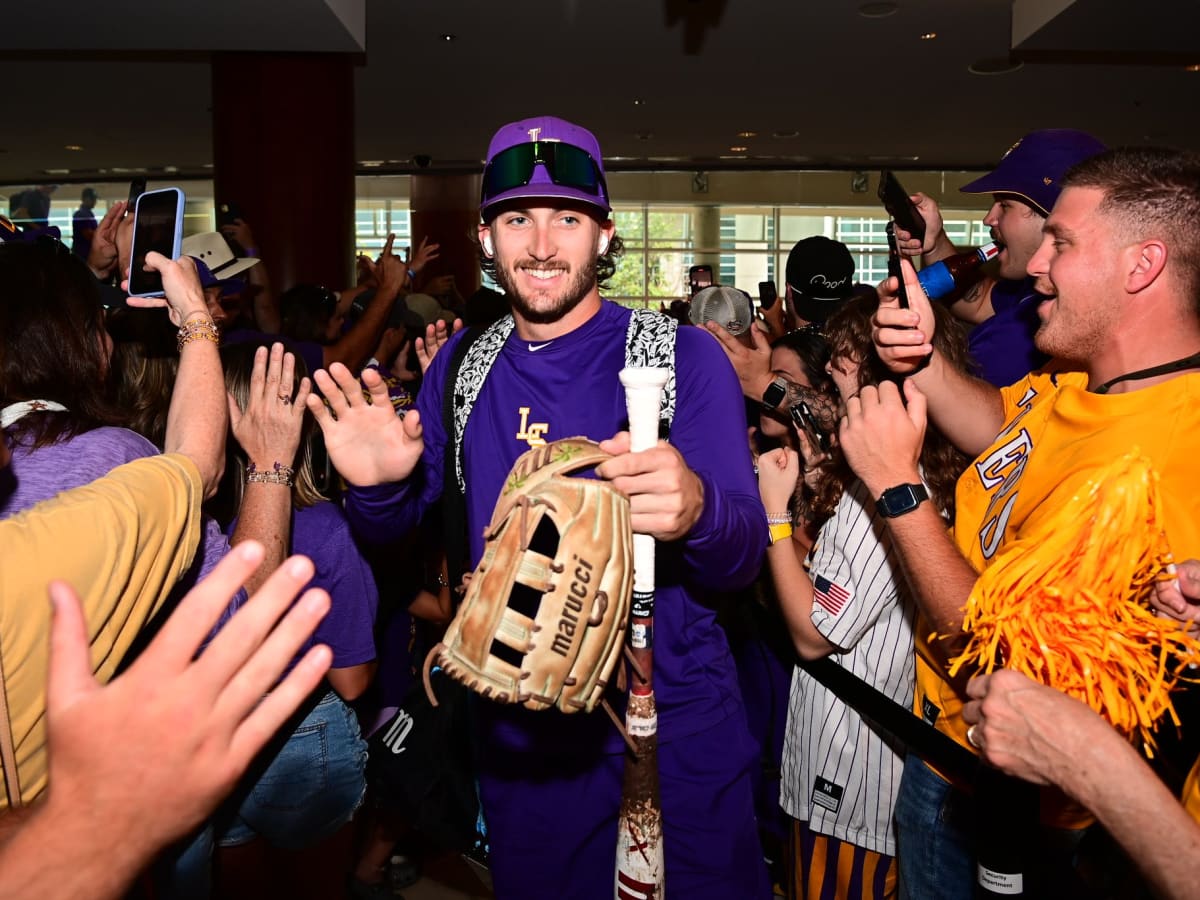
[{"x": 918, "y": 735}]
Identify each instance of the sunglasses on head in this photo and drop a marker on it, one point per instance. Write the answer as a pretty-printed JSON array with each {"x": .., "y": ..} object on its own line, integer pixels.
[{"x": 567, "y": 166}]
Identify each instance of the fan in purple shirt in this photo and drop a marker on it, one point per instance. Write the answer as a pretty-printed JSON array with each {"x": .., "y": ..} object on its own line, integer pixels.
[{"x": 551, "y": 784}]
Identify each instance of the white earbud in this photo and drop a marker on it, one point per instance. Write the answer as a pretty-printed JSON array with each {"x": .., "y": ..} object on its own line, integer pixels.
[
  {"x": 487, "y": 246},
  {"x": 603, "y": 245}
]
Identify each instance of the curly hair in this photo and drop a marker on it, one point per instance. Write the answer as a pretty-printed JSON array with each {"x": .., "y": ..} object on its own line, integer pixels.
[
  {"x": 816, "y": 504},
  {"x": 849, "y": 334}
]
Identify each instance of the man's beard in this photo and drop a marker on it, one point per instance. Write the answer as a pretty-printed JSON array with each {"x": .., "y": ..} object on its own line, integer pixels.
[{"x": 579, "y": 285}]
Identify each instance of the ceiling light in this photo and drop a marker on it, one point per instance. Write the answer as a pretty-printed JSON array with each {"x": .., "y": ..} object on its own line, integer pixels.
[
  {"x": 644, "y": 135},
  {"x": 739, "y": 149},
  {"x": 370, "y": 163},
  {"x": 929, "y": 35},
  {"x": 1195, "y": 68},
  {"x": 72, "y": 147},
  {"x": 784, "y": 135},
  {"x": 57, "y": 171},
  {"x": 639, "y": 102},
  {"x": 878, "y": 10},
  {"x": 999, "y": 65},
  {"x": 747, "y": 134},
  {"x": 447, "y": 37}
]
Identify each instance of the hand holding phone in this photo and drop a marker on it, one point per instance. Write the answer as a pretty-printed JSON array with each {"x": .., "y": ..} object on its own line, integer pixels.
[
  {"x": 899, "y": 205},
  {"x": 894, "y": 269},
  {"x": 158, "y": 227},
  {"x": 767, "y": 295}
]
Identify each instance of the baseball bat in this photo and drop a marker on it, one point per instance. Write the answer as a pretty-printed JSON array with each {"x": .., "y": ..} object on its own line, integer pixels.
[{"x": 641, "y": 868}]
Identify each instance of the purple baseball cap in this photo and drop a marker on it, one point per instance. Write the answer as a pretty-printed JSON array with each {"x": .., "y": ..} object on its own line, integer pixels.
[
  {"x": 542, "y": 183},
  {"x": 1034, "y": 166},
  {"x": 208, "y": 279}
]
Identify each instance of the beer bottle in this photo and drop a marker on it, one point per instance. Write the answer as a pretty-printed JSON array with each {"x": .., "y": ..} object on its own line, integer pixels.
[{"x": 956, "y": 272}]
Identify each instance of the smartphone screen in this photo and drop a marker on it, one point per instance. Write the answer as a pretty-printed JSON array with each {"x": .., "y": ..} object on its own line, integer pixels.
[
  {"x": 157, "y": 226},
  {"x": 900, "y": 206},
  {"x": 699, "y": 277},
  {"x": 767, "y": 294},
  {"x": 894, "y": 264}
]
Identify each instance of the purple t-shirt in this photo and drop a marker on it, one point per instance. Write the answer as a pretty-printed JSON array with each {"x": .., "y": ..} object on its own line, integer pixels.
[
  {"x": 48, "y": 471},
  {"x": 1002, "y": 346},
  {"x": 569, "y": 387},
  {"x": 321, "y": 533}
]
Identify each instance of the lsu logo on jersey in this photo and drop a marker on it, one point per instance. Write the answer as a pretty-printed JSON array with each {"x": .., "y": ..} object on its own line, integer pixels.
[{"x": 531, "y": 433}]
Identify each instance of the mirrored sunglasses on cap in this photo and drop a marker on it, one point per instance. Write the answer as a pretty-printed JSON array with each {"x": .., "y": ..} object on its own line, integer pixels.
[{"x": 567, "y": 166}]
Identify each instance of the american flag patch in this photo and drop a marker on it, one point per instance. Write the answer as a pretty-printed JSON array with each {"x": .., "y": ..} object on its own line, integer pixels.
[{"x": 831, "y": 597}]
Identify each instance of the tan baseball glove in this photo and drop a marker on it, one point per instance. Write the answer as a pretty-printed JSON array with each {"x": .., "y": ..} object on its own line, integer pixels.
[{"x": 544, "y": 616}]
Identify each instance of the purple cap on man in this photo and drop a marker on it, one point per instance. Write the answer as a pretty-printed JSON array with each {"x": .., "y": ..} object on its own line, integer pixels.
[
  {"x": 1034, "y": 166},
  {"x": 543, "y": 158}
]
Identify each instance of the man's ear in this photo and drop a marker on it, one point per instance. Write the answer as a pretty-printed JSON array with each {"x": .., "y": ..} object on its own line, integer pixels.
[{"x": 1146, "y": 263}]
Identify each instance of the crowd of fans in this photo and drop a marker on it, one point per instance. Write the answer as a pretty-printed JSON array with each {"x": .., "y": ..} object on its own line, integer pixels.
[{"x": 164, "y": 458}]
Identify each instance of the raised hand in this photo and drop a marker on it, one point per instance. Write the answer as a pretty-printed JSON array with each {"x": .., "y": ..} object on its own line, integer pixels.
[
  {"x": 103, "y": 255},
  {"x": 881, "y": 435},
  {"x": 436, "y": 336},
  {"x": 426, "y": 253},
  {"x": 752, "y": 364},
  {"x": 911, "y": 246},
  {"x": 269, "y": 427},
  {"x": 778, "y": 471},
  {"x": 181, "y": 285},
  {"x": 903, "y": 337},
  {"x": 366, "y": 441}
]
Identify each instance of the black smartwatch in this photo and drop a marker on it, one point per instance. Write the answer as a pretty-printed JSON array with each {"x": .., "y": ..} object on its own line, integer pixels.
[
  {"x": 775, "y": 393},
  {"x": 904, "y": 498}
]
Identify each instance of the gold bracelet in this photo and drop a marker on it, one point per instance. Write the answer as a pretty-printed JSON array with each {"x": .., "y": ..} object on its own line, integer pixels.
[
  {"x": 198, "y": 330},
  {"x": 200, "y": 314},
  {"x": 784, "y": 518},
  {"x": 279, "y": 474}
]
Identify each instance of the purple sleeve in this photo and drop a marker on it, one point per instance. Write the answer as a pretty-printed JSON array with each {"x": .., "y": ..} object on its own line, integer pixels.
[
  {"x": 386, "y": 512},
  {"x": 321, "y": 533},
  {"x": 725, "y": 548}
]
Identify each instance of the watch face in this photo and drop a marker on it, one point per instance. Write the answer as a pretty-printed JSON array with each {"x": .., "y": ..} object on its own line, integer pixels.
[{"x": 902, "y": 499}]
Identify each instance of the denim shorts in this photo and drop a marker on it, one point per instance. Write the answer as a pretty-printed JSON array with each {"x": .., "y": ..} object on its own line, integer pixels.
[{"x": 309, "y": 789}]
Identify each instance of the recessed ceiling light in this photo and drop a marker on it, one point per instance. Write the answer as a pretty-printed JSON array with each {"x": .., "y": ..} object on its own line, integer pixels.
[
  {"x": 447, "y": 37},
  {"x": 1195, "y": 68},
  {"x": 878, "y": 10},
  {"x": 739, "y": 149},
  {"x": 639, "y": 102},
  {"x": 170, "y": 169},
  {"x": 785, "y": 135},
  {"x": 57, "y": 171},
  {"x": 999, "y": 65},
  {"x": 370, "y": 163},
  {"x": 747, "y": 134},
  {"x": 928, "y": 35},
  {"x": 72, "y": 147}
]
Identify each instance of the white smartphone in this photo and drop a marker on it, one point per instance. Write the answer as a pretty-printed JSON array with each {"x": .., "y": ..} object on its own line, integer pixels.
[{"x": 157, "y": 226}]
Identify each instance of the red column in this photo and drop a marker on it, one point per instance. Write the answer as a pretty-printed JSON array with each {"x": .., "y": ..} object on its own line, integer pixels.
[
  {"x": 445, "y": 208},
  {"x": 283, "y": 151}
]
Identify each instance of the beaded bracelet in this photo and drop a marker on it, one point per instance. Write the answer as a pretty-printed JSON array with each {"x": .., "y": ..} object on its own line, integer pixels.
[
  {"x": 197, "y": 330},
  {"x": 784, "y": 518},
  {"x": 280, "y": 474}
]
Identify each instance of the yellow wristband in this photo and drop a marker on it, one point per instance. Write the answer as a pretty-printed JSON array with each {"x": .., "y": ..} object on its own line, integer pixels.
[{"x": 780, "y": 531}]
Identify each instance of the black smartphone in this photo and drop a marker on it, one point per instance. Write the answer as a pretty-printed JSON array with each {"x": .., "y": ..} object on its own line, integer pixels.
[
  {"x": 699, "y": 277},
  {"x": 900, "y": 206},
  {"x": 894, "y": 264},
  {"x": 157, "y": 226},
  {"x": 767, "y": 295},
  {"x": 137, "y": 187},
  {"x": 802, "y": 416},
  {"x": 228, "y": 213}
]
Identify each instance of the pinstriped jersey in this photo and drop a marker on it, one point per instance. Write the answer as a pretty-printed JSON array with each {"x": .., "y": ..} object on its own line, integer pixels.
[{"x": 838, "y": 774}]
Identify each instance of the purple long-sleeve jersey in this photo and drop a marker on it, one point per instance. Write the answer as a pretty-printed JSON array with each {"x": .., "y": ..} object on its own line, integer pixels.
[{"x": 567, "y": 387}]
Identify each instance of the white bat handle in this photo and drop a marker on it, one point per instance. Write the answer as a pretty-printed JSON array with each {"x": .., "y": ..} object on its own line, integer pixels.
[{"x": 643, "y": 398}]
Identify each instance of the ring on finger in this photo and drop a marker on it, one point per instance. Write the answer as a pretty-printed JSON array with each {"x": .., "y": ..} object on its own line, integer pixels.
[
  {"x": 285, "y": 399},
  {"x": 972, "y": 739}
]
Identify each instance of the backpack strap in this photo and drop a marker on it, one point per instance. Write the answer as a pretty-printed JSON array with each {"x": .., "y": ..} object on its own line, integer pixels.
[
  {"x": 650, "y": 343},
  {"x": 465, "y": 381}
]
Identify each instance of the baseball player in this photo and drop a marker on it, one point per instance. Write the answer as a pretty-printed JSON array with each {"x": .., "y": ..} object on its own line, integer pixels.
[
  {"x": 551, "y": 783},
  {"x": 1117, "y": 269}
]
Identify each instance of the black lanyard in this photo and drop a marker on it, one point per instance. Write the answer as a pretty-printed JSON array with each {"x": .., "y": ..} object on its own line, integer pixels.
[{"x": 1187, "y": 362}]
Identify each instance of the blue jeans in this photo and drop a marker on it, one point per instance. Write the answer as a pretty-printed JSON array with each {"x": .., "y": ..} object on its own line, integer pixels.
[
  {"x": 934, "y": 836},
  {"x": 305, "y": 786}
]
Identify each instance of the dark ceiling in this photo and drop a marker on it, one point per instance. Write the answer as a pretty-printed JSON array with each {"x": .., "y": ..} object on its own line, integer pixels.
[{"x": 667, "y": 83}]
